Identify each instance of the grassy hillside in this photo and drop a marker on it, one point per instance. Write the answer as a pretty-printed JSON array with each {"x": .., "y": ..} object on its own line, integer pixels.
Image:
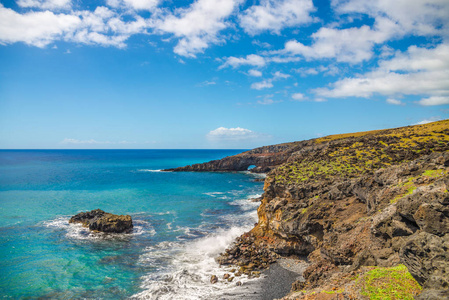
[{"x": 354, "y": 154}]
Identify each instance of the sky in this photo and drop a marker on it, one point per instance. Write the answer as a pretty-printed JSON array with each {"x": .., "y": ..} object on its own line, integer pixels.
[{"x": 161, "y": 74}]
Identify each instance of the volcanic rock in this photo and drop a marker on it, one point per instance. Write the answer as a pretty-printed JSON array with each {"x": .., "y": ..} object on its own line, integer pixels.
[{"x": 99, "y": 220}]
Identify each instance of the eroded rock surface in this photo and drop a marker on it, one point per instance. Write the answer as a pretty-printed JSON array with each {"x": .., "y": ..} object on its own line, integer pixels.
[
  {"x": 99, "y": 220},
  {"x": 350, "y": 204}
]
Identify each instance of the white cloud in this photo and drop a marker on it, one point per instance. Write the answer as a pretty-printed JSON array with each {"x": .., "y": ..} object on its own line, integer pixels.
[
  {"x": 394, "y": 101},
  {"x": 102, "y": 27},
  {"x": 46, "y": 4},
  {"x": 279, "y": 75},
  {"x": 254, "y": 73},
  {"x": 351, "y": 45},
  {"x": 435, "y": 100},
  {"x": 232, "y": 134},
  {"x": 419, "y": 17},
  {"x": 271, "y": 15},
  {"x": 298, "y": 97},
  {"x": 307, "y": 71},
  {"x": 261, "y": 44},
  {"x": 78, "y": 142},
  {"x": 268, "y": 83},
  {"x": 266, "y": 101},
  {"x": 430, "y": 120},
  {"x": 207, "y": 83},
  {"x": 250, "y": 60},
  {"x": 265, "y": 84},
  {"x": 35, "y": 28},
  {"x": 326, "y": 70},
  {"x": 418, "y": 71},
  {"x": 197, "y": 26},
  {"x": 134, "y": 4}
]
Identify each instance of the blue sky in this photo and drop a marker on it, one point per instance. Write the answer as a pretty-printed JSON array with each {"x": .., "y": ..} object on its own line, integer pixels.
[{"x": 216, "y": 73}]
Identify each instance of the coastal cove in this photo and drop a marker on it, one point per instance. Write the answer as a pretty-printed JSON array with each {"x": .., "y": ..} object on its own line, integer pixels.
[{"x": 182, "y": 221}]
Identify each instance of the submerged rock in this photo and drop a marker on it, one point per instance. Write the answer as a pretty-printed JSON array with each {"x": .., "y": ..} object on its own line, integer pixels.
[{"x": 99, "y": 220}]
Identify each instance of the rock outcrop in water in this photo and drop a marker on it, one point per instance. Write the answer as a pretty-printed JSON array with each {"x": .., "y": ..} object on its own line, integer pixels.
[
  {"x": 99, "y": 220},
  {"x": 357, "y": 205}
]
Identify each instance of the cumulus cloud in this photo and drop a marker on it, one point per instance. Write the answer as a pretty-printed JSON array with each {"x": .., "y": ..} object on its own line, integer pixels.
[
  {"x": 250, "y": 60},
  {"x": 279, "y": 75},
  {"x": 134, "y": 4},
  {"x": 254, "y": 73},
  {"x": 267, "y": 100},
  {"x": 35, "y": 28},
  {"x": 274, "y": 15},
  {"x": 420, "y": 17},
  {"x": 435, "y": 100},
  {"x": 101, "y": 27},
  {"x": 298, "y": 97},
  {"x": 351, "y": 45},
  {"x": 418, "y": 71},
  {"x": 232, "y": 134},
  {"x": 197, "y": 26},
  {"x": 330, "y": 70},
  {"x": 268, "y": 83},
  {"x": 265, "y": 84},
  {"x": 46, "y": 4},
  {"x": 394, "y": 101},
  {"x": 430, "y": 120}
]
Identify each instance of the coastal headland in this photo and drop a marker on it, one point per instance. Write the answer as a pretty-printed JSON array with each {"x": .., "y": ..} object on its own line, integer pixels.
[{"x": 367, "y": 211}]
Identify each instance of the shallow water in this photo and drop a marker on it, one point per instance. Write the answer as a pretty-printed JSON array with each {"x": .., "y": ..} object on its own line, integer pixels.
[{"x": 182, "y": 221}]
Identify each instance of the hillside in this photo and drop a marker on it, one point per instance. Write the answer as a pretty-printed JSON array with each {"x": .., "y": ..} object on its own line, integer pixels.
[{"x": 366, "y": 210}]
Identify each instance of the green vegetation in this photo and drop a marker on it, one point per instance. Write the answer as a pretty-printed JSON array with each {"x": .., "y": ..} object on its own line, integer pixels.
[
  {"x": 389, "y": 283},
  {"x": 334, "y": 292},
  {"x": 433, "y": 173},
  {"x": 409, "y": 186},
  {"x": 355, "y": 154}
]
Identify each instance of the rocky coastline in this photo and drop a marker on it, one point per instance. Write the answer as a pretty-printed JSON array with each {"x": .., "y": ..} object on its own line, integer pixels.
[{"x": 368, "y": 211}]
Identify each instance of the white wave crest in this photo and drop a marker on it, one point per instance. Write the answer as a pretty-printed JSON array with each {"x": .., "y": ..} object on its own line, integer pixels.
[
  {"x": 76, "y": 231},
  {"x": 191, "y": 266}
]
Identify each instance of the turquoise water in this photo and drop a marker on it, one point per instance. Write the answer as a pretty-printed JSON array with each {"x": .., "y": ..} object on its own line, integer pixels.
[{"x": 182, "y": 221}]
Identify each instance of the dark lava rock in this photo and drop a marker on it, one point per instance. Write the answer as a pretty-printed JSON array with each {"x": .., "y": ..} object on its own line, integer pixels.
[
  {"x": 433, "y": 295},
  {"x": 99, "y": 220},
  {"x": 427, "y": 259}
]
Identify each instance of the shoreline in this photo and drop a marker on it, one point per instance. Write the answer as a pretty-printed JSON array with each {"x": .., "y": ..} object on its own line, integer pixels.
[{"x": 275, "y": 282}]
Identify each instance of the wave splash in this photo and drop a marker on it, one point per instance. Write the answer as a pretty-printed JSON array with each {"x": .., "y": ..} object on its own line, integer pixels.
[
  {"x": 78, "y": 232},
  {"x": 190, "y": 265}
]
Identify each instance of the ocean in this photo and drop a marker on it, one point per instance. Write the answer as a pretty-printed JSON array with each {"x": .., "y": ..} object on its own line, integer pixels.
[{"x": 182, "y": 221}]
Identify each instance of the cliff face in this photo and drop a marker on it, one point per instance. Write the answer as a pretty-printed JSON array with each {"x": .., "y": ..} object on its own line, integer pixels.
[
  {"x": 379, "y": 199},
  {"x": 352, "y": 203}
]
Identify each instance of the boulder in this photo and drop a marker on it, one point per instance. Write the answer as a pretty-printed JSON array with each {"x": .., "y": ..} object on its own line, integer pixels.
[
  {"x": 99, "y": 220},
  {"x": 427, "y": 258}
]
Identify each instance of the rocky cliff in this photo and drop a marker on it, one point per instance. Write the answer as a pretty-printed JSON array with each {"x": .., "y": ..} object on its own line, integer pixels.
[
  {"x": 366, "y": 210},
  {"x": 264, "y": 159}
]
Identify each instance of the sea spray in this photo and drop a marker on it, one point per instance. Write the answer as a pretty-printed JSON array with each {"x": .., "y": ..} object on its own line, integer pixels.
[{"x": 192, "y": 264}]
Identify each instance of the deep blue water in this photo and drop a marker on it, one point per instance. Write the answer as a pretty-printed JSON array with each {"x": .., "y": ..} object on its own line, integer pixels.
[{"x": 182, "y": 221}]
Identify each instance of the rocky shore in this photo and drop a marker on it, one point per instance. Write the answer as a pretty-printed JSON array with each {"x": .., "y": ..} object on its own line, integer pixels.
[{"x": 368, "y": 211}]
